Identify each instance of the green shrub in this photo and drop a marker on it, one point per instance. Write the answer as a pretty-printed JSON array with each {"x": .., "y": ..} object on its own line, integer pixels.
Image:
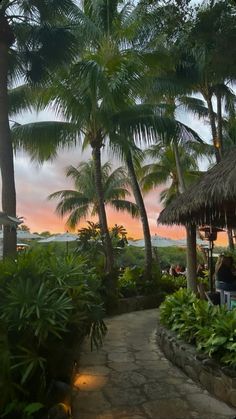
[
  {"x": 131, "y": 256},
  {"x": 127, "y": 282},
  {"x": 211, "y": 328},
  {"x": 169, "y": 284},
  {"x": 46, "y": 302}
]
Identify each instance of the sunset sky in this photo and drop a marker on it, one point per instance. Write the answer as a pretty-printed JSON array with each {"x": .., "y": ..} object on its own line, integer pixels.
[{"x": 34, "y": 183}]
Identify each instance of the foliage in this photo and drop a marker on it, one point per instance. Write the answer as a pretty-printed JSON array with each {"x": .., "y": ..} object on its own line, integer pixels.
[
  {"x": 83, "y": 200},
  {"x": 118, "y": 236},
  {"x": 211, "y": 328},
  {"x": 131, "y": 282},
  {"x": 169, "y": 284},
  {"x": 127, "y": 283},
  {"x": 130, "y": 256},
  {"x": 46, "y": 302},
  {"x": 164, "y": 170},
  {"x": 91, "y": 244}
]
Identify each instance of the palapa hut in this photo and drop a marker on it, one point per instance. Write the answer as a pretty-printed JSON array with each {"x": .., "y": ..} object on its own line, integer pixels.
[{"x": 210, "y": 201}]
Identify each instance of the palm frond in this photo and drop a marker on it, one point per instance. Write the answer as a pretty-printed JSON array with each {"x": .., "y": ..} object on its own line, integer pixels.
[
  {"x": 76, "y": 215},
  {"x": 20, "y": 99},
  {"x": 122, "y": 205},
  {"x": 42, "y": 140},
  {"x": 194, "y": 105}
]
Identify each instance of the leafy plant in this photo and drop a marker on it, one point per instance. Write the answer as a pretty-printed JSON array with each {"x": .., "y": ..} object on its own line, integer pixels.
[
  {"x": 47, "y": 302},
  {"x": 211, "y": 328},
  {"x": 169, "y": 284},
  {"x": 127, "y": 282}
]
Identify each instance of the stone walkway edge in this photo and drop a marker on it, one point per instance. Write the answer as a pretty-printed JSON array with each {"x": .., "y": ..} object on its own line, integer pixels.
[{"x": 130, "y": 378}]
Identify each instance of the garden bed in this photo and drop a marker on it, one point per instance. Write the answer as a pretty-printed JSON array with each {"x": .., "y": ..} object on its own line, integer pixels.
[{"x": 219, "y": 381}]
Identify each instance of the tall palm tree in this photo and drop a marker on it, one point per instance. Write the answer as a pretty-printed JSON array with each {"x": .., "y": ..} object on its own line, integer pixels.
[
  {"x": 129, "y": 159},
  {"x": 206, "y": 48},
  {"x": 164, "y": 170},
  {"x": 30, "y": 32},
  {"x": 82, "y": 201},
  {"x": 210, "y": 35},
  {"x": 97, "y": 94}
]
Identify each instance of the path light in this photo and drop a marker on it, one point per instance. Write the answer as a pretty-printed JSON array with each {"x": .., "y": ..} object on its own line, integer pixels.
[{"x": 89, "y": 382}]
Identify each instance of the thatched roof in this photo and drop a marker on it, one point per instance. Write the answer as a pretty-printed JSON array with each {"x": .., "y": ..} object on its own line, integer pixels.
[{"x": 210, "y": 200}]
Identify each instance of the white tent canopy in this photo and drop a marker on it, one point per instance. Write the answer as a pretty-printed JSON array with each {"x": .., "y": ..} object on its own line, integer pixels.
[
  {"x": 158, "y": 241},
  {"x": 65, "y": 237},
  {"x": 23, "y": 235}
]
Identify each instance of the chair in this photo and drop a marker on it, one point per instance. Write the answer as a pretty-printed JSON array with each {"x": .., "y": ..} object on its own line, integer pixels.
[
  {"x": 222, "y": 295},
  {"x": 228, "y": 296}
]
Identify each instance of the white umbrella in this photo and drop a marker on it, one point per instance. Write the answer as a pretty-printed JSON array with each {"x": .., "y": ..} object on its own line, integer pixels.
[
  {"x": 23, "y": 235},
  {"x": 66, "y": 238},
  {"x": 157, "y": 241},
  {"x": 26, "y": 235}
]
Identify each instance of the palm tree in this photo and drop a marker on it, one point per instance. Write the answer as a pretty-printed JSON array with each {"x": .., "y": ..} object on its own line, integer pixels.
[
  {"x": 82, "y": 201},
  {"x": 164, "y": 170},
  {"x": 29, "y": 32},
  {"x": 130, "y": 163},
  {"x": 97, "y": 95},
  {"x": 209, "y": 38},
  {"x": 207, "y": 46},
  {"x": 178, "y": 166}
]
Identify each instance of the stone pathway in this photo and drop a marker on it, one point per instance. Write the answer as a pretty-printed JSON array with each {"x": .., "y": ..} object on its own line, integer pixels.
[{"x": 129, "y": 378}]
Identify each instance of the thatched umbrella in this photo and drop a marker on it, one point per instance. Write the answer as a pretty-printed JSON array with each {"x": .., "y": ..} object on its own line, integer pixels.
[{"x": 211, "y": 200}]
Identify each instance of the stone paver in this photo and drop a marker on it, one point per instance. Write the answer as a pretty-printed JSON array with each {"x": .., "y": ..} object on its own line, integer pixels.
[{"x": 129, "y": 378}]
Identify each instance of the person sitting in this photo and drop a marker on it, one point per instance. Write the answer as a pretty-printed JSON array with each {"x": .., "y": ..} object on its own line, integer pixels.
[
  {"x": 225, "y": 278},
  {"x": 172, "y": 271},
  {"x": 181, "y": 270}
]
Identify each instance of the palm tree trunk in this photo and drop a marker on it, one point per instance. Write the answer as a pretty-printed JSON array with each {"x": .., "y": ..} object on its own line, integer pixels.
[
  {"x": 190, "y": 231},
  {"x": 230, "y": 239},
  {"x": 191, "y": 257},
  {"x": 181, "y": 181},
  {"x": 220, "y": 142},
  {"x": 6, "y": 153},
  {"x": 213, "y": 126},
  {"x": 219, "y": 123},
  {"x": 143, "y": 215},
  {"x": 102, "y": 214}
]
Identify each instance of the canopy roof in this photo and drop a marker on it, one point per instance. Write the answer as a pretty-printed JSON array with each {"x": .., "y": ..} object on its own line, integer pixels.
[
  {"x": 65, "y": 237},
  {"x": 211, "y": 200}
]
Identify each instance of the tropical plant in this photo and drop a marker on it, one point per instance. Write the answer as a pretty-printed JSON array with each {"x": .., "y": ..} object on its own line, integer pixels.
[
  {"x": 169, "y": 284},
  {"x": 44, "y": 300},
  {"x": 119, "y": 236},
  {"x": 210, "y": 328},
  {"x": 98, "y": 96},
  {"x": 83, "y": 201},
  {"x": 127, "y": 284},
  {"x": 164, "y": 171},
  {"x": 29, "y": 31}
]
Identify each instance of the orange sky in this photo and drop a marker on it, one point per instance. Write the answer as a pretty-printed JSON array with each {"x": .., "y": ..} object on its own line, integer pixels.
[
  {"x": 34, "y": 183},
  {"x": 42, "y": 217}
]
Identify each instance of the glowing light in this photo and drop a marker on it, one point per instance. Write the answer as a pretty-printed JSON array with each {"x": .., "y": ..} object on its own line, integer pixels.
[{"x": 87, "y": 382}]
